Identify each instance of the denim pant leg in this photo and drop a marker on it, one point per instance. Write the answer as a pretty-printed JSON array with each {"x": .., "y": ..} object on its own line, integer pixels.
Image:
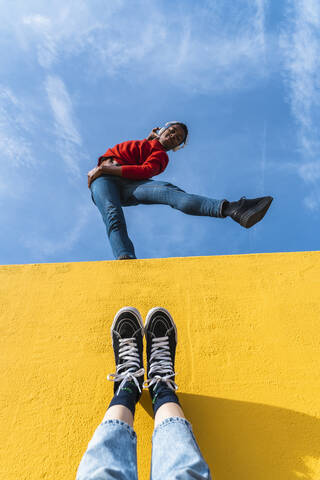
[
  {"x": 106, "y": 194},
  {"x": 111, "y": 453},
  {"x": 152, "y": 192},
  {"x": 175, "y": 452}
]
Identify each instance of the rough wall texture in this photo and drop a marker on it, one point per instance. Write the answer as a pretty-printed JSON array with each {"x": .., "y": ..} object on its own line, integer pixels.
[{"x": 247, "y": 360}]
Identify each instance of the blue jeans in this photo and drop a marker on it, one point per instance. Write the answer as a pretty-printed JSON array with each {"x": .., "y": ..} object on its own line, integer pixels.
[
  {"x": 112, "y": 453},
  {"x": 111, "y": 193}
]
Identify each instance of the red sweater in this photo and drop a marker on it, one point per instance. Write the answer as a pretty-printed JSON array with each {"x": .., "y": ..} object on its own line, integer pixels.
[{"x": 139, "y": 158}]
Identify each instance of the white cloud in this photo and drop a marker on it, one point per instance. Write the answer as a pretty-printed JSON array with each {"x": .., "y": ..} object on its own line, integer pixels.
[
  {"x": 15, "y": 122},
  {"x": 312, "y": 201},
  {"x": 300, "y": 42},
  {"x": 310, "y": 171},
  {"x": 196, "y": 49},
  {"x": 68, "y": 137},
  {"x": 46, "y": 49},
  {"x": 195, "y": 46},
  {"x": 20, "y": 124},
  {"x": 261, "y": 6},
  {"x": 37, "y": 21},
  {"x": 62, "y": 109}
]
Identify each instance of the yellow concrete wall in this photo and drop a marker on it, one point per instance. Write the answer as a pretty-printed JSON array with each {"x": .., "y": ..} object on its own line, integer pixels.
[{"x": 247, "y": 360}]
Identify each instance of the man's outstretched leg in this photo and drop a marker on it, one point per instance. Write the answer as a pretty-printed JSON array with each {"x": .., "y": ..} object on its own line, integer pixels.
[
  {"x": 175, "y": 453},
  {"x": 246, "y": 212},
  {"x": 112, "y": 451}
]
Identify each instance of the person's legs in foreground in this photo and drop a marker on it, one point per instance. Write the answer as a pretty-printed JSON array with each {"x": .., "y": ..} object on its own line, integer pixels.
[
  {"x": 112, "y": 451},
  {"x": 106, "y": 195},
  {"x": 175, "y": 453}
]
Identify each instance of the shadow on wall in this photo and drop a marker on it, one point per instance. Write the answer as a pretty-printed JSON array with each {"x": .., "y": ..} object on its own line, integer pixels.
[{"x": 249, "y": 441}]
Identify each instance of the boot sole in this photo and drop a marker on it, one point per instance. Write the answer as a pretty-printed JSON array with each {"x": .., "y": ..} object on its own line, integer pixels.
[{"x": 254, "y": 215}]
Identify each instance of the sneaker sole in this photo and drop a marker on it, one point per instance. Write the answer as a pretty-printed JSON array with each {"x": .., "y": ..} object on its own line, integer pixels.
[
  {"x": 254, "y": 215},
  {"x": 161, "y": 309},
  {"x": 132, "y": 310}
]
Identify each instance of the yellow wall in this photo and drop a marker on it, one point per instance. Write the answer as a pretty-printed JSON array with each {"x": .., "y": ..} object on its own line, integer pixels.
[{"x": 247, "y": 361}]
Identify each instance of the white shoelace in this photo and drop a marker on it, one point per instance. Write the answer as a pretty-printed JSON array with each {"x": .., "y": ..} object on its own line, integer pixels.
[
  {"x": 160, "y": 364},
  {"x": 128, "y": 351}
]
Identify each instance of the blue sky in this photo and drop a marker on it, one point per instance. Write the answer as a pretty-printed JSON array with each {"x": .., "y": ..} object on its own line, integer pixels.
[{"x": 78, "y": 77}]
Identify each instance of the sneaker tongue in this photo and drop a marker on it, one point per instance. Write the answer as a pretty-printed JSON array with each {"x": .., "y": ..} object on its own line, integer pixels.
[
  {"x": 161, "y": 330},
  {"x": 126, "y": 330}
]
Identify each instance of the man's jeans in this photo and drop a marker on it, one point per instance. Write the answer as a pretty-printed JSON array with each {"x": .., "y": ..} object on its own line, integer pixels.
[
  {"x": 111, "y": 193},
  {"x": 112, "y": 453}
]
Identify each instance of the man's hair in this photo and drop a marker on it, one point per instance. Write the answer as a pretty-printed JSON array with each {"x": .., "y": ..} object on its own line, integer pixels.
[{"x": 185, "y": 130}]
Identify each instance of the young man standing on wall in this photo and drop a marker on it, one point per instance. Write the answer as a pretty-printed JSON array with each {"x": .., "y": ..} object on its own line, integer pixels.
[{"x": 123, "y": 178}]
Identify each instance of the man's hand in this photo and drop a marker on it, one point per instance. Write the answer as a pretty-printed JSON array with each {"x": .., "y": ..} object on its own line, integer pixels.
[
  {"x": 107, "y": 167},
  {"x": 153, "y": 134},
  {"x": 93, "y": 174}
]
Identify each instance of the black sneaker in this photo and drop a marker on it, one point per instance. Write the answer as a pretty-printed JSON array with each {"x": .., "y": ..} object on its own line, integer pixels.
[
  {"x": 161, "y": 335},
  {"x": 248, "y": 212},
  {"x": 127, "y": 340},
  {"x": 125, "y": 257}
]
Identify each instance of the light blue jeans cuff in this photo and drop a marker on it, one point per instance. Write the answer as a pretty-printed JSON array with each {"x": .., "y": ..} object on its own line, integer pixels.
[
  {"x": 175, "y": 452},
  {"x": 112, "y": 453}
]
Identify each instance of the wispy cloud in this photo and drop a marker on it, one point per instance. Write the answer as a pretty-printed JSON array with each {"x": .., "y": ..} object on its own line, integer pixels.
[
  {"x": 198, "y": 53},
  {"x": 177, "y": 47},
  {"x": 300, "y": 42},
  {"x": 46, "y": 49},
  {"x": 312, "y": 201},
  {"x": 259, "y": 18},
  {"x": 68, "y": 137},
  {"x": 16, "y": 149}
]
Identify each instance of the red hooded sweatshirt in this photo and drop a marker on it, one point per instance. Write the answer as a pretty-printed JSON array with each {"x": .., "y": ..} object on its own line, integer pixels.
[{"x": 139, "y": 159}]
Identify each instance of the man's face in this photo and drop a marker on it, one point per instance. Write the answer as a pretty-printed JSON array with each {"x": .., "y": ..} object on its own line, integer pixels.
[{"x": 172, "y": 137}]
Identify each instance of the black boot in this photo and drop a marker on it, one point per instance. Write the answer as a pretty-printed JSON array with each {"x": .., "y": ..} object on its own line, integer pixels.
[{"x": 247, "y": 211}]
